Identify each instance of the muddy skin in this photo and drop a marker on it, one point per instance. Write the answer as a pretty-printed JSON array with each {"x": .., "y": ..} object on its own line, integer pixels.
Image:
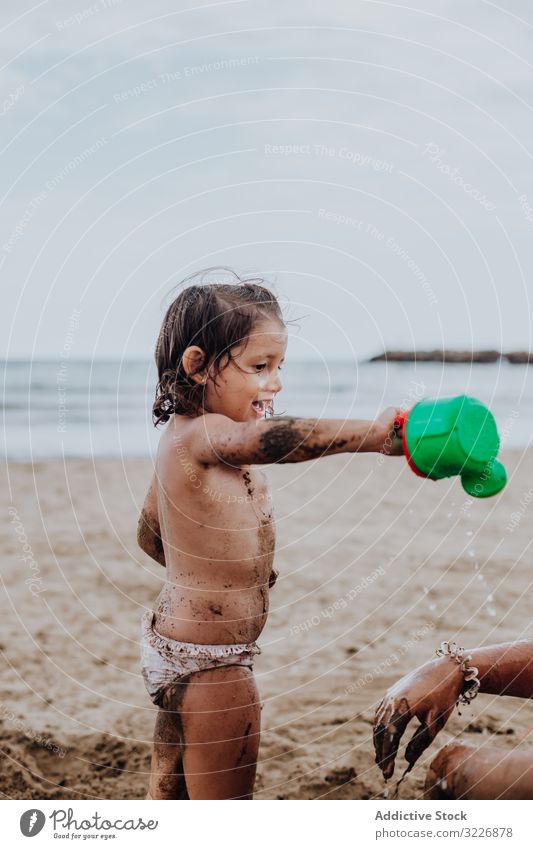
[
  {"x": 387, "y": 737},
  {"x": 286, "y": 437},
  {"x": 167, "y": 779},
  {"x": 422, "y": 738},
  {"x": 172, "y": 698},
  {"x": 285, "y": 441},
  {"x": 164, "y": 606},
  {"x": 245, "y": 744},
  {"x": 267, "y": 542},
  {"x": 248, "y": 481},
  {"x": 216, "y": 609},
  {"x": 266, "y": 538},
  {"x": 255, "y": 500},
  {"x": 148, "y": 538},
  {"x": 418, "y": 744},
  {"x": 272, "y": 578}
]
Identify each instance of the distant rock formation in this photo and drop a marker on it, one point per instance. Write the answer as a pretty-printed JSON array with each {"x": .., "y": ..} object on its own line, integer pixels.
[
  {"x": 519, "y": 357},
  {"x": 438, "y": 356},
  {"x": 448, "y": 356}
]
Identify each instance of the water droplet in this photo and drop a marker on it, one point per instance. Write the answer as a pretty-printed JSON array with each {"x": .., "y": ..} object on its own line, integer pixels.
[
  {"x": 449, "y": 516},
  {"x": 471, "y": 553},
  {"x": 469, "y": 533},
  {"x": 426, "y": 590},
  {"x": 490, "y": 597},
  {"x": 480, "y": 577},
  {"x": 432, "y": 606},
  {"x": 492, "y": 612}
]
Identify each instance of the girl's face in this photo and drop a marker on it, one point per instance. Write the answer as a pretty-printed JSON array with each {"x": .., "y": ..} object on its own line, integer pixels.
[{"x": 247, "y": 386}]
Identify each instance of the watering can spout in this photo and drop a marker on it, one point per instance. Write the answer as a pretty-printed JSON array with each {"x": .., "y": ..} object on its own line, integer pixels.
[{"x": 491, "y": 481}]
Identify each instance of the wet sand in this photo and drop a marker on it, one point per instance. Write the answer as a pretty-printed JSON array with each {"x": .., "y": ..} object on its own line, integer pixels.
[{"x": 376, "y": 568}]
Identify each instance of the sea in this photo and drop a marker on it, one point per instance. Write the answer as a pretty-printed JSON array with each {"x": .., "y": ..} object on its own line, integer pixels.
[{"x": 103, "y": 408}]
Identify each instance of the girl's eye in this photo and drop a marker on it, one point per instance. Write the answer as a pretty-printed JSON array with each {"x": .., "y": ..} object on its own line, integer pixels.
[{"x": 261, "y": 366}]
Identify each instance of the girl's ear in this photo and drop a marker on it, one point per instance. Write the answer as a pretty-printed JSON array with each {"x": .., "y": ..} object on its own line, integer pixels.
[{"x": 193, "y": 359}]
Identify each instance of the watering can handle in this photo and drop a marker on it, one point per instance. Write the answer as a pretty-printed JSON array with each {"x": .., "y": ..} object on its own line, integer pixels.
[
  {"x": 400, "y": 420},
  {"x": 399, "y": 424}
]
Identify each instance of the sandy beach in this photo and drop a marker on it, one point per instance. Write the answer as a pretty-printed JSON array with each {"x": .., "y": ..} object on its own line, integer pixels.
[{"x": 376, "y": 568}]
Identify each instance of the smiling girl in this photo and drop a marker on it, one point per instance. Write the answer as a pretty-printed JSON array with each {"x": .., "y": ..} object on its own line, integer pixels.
[{"x": 208, "y": 518}]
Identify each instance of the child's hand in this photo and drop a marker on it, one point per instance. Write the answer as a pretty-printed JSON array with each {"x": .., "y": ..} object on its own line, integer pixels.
[
  {"x": 388, "y": 440},
  {"x": 430, "y": 693}
]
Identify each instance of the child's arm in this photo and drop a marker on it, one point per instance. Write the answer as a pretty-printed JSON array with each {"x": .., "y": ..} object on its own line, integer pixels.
[
  {"x": 219, "y": 439},
  {"x": 148, "y": 529},
  {"x": 505, "y": 669}
]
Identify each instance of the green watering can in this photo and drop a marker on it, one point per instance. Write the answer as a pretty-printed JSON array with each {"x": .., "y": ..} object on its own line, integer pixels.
[{"x": 454, "y": 436}]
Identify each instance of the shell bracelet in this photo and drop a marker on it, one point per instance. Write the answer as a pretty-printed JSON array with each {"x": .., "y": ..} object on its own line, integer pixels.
[{"x": 470, "y": 673}]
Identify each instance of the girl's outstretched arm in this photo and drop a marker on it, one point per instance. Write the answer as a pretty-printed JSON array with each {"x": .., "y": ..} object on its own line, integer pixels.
[{"x": 215, "y": 438}]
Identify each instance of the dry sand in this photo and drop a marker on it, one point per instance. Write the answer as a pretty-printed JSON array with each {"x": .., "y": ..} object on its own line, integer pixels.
[{"x": 70, "y": 678}]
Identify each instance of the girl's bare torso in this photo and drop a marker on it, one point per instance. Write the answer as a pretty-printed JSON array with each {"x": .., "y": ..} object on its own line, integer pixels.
[{"x": 217, "y": 528}]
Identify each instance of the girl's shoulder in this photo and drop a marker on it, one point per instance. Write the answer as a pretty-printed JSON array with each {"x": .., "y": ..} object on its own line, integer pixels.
[{"x": 199, "y": 439}]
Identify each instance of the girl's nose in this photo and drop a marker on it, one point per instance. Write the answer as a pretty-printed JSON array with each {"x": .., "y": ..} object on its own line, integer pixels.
[{"x": 274, "y": 385}]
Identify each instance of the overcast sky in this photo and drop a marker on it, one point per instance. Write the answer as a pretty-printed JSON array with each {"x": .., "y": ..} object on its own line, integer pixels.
[{"x": 373, "y": 161}]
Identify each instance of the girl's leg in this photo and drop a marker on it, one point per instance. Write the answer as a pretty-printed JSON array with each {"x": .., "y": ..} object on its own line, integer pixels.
[
  {"x": 220, "y": 716},
  {"x": 166, "y": 778},
  {"x": 462, "y": 771}
]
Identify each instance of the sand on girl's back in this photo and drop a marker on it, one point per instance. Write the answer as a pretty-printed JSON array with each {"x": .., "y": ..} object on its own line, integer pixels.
[{"x": 376, "y": 567}]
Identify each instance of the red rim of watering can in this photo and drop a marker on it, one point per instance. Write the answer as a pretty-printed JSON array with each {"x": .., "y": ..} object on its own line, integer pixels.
[{"x": 401, "y": 422}]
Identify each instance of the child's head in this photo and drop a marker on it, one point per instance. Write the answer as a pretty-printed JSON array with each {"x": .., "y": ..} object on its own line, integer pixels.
[{"x": 219, "y": 351}]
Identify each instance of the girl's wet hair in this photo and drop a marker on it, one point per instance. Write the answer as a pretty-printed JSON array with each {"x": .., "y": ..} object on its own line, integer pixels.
[{"x": 218, "y": 317}]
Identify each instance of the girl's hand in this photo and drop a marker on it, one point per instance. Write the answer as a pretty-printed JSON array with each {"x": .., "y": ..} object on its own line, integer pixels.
[
  {"x": 430, "y": 693},
  {"x": 388, "y": 440}
]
